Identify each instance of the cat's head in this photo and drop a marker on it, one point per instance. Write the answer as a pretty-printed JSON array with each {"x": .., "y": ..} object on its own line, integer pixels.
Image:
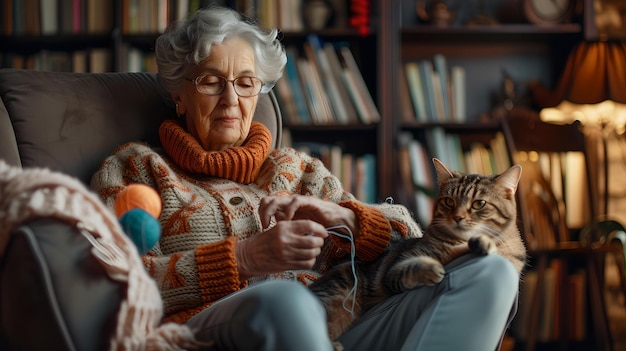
[{"x": 472, "y": 204}]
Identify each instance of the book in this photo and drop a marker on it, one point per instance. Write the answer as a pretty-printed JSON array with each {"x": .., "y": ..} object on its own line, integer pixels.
[
  {"x": 354, "y": 75},
  {"x": 438, "y": 101},
  {"x": 99, "y": 16},
  {"x": 31, "y": 16},
  {"x": 500, "y": 152},
  {"x": 8, "y": 17},
  {"x": 99, "y": 60},
  {"x": 336, "y": 71},
  {"x": 319, "y": 115},
  {"x": 328, "y": 80},
  {"x": 328, "y": 115},
  {"x": 49, "y": 17},
  {"x": 421, "y": 169},
  {"x": 546, "y": 320},
  {"x": 286, "y": 101},
  {"x": 406, "y": 189},
  {"x": 366, "y": 178},
  {"x": 426, "y": 75},
  {"x": 357, "y": 99},
  {"x": 519, "y": 327},
  {"x": 79, "y": 61},
  {"x": 293, "y": 75},
  {"x": 182, "y": 10},
  {"x": 441, "y": 68},
  {"x": 578, "y": 288},
  {"x": 336, "y": 158},
  {"x": 407, "y": 113},
  {"x": 457, "y": 78},
  {"x": 437, "y": 144},
  {"x": 347, "y": 172},
  {"x": 414, "y": 82}
]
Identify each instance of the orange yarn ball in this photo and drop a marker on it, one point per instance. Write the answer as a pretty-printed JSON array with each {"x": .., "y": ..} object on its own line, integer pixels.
[{"x": 138, "y": 196}]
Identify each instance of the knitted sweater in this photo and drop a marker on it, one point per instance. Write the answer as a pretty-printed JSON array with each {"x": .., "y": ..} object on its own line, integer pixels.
[{"x": 210, "y": 201}]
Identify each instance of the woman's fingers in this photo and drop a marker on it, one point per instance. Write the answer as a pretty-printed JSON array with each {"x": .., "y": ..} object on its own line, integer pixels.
[{"x": 288, "y": 245}]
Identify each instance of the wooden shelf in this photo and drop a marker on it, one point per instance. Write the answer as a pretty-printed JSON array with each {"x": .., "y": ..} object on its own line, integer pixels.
[{"x": 61, "y": 42}]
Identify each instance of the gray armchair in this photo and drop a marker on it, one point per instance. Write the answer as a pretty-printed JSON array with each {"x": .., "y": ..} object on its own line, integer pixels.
[{"x": 53, "y": 294}]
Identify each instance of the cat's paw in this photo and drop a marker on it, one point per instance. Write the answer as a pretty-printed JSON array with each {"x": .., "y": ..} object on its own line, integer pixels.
[
  {"x": 482, "y": 245},
  {"x": 337, "y": 346},
  {"x": 422, "y": 270}
]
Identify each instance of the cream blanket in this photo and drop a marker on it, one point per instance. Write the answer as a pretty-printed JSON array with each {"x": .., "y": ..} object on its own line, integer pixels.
[{"x": 32, "y": 193}]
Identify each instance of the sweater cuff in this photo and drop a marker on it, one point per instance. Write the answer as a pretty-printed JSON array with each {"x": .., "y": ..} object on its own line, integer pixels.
[
  {"x": 217, "y": 269},
  {"x": 373, "y": 231}
]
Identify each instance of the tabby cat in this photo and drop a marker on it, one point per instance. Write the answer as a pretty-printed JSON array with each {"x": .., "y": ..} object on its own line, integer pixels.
[{"x": 471, "y": 212}]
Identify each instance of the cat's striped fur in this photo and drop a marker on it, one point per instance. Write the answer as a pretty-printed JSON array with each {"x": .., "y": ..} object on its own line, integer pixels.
[{"x": 471, "y": 213}]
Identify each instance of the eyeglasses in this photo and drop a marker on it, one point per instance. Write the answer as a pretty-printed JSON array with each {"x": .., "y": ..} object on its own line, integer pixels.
[{"x": 215, "y": 85}]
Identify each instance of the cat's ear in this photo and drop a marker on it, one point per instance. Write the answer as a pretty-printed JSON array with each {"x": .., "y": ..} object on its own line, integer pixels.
[
  {"x": 443, "y": 173},
  {"x": 510, "y": 178}
]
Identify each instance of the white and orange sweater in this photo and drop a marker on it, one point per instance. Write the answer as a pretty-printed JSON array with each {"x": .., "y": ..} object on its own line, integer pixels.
[{"x": 210, "y": 200}]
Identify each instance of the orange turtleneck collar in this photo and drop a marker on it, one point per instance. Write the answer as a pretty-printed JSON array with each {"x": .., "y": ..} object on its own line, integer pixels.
[{"x": 239, "y": 163}]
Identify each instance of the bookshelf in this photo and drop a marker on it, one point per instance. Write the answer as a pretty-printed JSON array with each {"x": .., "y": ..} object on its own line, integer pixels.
[
  {"x": 485, "y": 55},
  {"x": 491, "y": 56}
]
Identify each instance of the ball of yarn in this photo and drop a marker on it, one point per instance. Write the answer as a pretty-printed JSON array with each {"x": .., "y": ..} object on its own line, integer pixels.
[
  {"x": 138, "y": 196},
  {"x": 143, "y": 229}
]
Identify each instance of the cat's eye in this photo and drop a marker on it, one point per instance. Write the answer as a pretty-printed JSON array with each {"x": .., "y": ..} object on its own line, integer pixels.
[
  {"x": 478, "y": 204},
  {"x": 448, "y": 201}
]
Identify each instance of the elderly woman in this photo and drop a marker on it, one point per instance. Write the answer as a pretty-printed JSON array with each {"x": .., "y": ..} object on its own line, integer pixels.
[{"x": 245, "y": 227}]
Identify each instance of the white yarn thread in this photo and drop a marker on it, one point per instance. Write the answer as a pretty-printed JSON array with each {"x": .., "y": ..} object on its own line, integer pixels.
[{"x": 350, "y": 238}]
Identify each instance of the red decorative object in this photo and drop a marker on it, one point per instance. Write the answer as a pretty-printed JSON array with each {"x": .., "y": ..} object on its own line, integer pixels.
[{"x": 360, "y": 16}]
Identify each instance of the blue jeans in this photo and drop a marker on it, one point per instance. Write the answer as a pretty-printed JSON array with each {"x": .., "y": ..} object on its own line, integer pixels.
[{"x": 468, "y": 311}]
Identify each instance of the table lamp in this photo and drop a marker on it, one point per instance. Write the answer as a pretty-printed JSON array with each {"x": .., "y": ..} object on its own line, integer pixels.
[{"x": 592, "y": 90}]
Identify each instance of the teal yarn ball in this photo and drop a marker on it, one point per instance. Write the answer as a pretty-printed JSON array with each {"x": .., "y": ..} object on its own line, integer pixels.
[{"x": 143, "y": 229}]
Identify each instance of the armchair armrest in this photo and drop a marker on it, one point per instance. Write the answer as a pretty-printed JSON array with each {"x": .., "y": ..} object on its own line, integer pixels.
[{"x": 53, "y": 293}]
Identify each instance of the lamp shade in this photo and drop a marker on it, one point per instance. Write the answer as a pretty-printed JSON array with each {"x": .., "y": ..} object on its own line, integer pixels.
[{"x": 595, "y": 72}]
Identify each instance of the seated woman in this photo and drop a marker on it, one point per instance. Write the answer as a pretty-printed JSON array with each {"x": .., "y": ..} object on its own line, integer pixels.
[{"x": 244, "y": 228}]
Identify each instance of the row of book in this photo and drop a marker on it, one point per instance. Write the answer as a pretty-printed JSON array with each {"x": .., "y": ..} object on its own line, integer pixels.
[
  {"x": 433, "y": 91},
  {"x": 323, "y": 85},
  {"x": 153, "y": 16},
  {"x": 357, "y": 173},
  {"x": 288, "y": 15},
  {"x": 52, "y": 17},
  {"x": 417, "y": 170},
  {"x": 95, "y": 60},
  {"x": 560, "y": 292}
]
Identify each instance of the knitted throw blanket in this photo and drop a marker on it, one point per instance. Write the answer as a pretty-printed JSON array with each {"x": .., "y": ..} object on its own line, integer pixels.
[{"x": 28, "y": 194}]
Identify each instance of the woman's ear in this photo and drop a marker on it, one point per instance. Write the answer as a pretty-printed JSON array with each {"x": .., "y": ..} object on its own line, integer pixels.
[{"x": 180, "y": 109}]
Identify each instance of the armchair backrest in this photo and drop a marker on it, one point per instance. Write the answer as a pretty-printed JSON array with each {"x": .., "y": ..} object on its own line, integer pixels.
[{"x": 70, "y": 122}]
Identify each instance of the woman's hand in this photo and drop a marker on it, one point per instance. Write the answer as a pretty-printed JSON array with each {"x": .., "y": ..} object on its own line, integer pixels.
[
  {"x": 288, "y": 245},
  {"x": 285, "y": 208}
]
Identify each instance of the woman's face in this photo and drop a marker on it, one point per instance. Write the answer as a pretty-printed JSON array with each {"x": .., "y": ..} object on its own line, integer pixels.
[{"x": 220, "y": 121}]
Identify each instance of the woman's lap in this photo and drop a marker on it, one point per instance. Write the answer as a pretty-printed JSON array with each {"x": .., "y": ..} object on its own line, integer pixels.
[{"x": 467, "y": 311}]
